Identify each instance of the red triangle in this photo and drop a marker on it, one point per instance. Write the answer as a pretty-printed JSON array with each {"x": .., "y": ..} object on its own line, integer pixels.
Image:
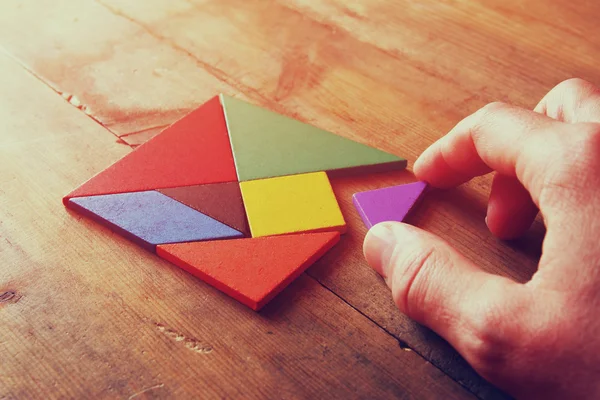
[
  {"x": 193, "y": 151},
  {"x": 251, "y": 271},
  {"x": 221, "y": 201}
]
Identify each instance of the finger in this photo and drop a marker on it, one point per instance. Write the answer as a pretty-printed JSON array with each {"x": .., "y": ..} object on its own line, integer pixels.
[
  {"x": 510, "y": 208},
  {"x": 436, "y": 286},
  {"x": 572, "y": 101},
  {"x": 513, "y": 141}
]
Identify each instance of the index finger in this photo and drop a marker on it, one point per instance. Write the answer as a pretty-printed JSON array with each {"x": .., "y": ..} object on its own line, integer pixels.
[{"x": 499, "y": 137}]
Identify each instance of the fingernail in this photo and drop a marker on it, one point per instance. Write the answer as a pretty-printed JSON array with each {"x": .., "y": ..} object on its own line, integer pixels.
[{"x": 378, "y": 248}]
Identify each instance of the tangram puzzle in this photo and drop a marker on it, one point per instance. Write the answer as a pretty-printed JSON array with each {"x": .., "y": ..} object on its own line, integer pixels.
[{"x": 234, "y": 194}]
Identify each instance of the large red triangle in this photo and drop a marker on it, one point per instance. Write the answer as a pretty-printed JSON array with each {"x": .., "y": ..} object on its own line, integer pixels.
[
  {"x": 221, "y": 201},
  {"x": 251, "y": 271},
  {"x": 193, "y": 151}
]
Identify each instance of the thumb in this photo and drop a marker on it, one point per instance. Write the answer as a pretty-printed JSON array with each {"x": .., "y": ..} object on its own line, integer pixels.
[{"x": 436, "y": 286}]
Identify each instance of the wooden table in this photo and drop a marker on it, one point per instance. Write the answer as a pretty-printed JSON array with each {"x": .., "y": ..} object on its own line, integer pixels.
[{"x": 86, "y": 314}]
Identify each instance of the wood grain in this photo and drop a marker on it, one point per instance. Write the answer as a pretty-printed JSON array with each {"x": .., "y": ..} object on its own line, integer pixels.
[
  {"x": 86, "y": 314},
  {"x": 395, "y": 75}
]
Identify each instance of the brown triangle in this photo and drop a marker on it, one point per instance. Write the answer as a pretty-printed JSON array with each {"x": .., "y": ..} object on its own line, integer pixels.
[{"x": 221, "y": 201}]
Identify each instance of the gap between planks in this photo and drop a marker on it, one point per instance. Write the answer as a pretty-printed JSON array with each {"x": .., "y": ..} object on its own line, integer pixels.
[
  {"x": 402, "y": 344},
  {"x": 69, "y": 98},
  {"x": 211, "y": 69},
  {"x": 222, "y": 76}
]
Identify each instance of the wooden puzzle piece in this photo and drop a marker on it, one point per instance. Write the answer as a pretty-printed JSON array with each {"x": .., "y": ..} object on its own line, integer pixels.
[
  {"x": 151, "y": 218},
  {"x": 291, "y": 204},
  {"x": 194, "y": 150},
  {"x": 221, "y": 201},
  {"x": 387, "y": 204},
  {"x": 266, "y": 144},
  {"x": 252, "y": 271}
]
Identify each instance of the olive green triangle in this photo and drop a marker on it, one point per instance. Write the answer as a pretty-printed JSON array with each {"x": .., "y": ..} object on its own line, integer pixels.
[{"x": 266, "y": 144}]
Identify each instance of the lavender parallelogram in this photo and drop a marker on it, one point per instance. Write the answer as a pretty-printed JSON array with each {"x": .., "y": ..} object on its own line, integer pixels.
[{"x": 150, "y": 218}]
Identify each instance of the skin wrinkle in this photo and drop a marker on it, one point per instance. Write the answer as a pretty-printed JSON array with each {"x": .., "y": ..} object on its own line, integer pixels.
[
  {"x": 571, "y": 99},
  {"x": 536, "y": 339},
  {"x": 579, "y": 167},
  {"x": 417, "y": 269}
]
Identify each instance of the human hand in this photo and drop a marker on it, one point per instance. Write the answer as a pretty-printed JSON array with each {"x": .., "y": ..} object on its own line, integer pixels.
[{"x": 540, "y": 339}]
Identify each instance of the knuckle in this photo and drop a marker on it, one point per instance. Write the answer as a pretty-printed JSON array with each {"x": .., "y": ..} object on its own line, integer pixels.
[
  {"x": 576, "y": 161},
  {"x": 491, "y": 340},
  {"x": 494, "y": 343},
  {"x": 410, "y": 290},
  {"x": 493, "y": 108},
  {"x": 572, "y": 85},
  {"x": 507, "y": 338},
  {"x": 589, "y": 142},
  {"x": 484, "y": 115},
  {"x": 582, "y": 149},
  {"x": 574, "y": 100}
]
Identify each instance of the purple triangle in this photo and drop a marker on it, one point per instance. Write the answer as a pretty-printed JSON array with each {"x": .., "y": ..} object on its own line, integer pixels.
[{"x": 387, "y": 204}]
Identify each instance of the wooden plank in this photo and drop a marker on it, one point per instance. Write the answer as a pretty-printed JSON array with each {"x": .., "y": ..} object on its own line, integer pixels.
[
  {"x": 398, "y": 68},
  {"x": 396, "y": 75},
  {"x": 103, "y": 64},
  {"x": 503, "y": 37},
  {"x": 342, "y": 68},
  {"x": 84, "y": 313}
]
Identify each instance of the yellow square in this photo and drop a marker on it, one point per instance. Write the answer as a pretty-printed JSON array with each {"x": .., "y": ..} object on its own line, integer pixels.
[{"x": 291, "y": 204}]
